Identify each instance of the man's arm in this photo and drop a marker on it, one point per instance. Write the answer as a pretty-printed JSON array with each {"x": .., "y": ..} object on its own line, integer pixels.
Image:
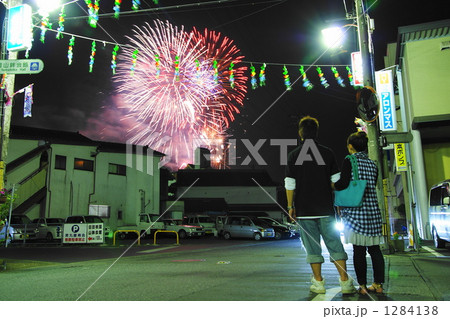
[{"x": 289, "y": 184}]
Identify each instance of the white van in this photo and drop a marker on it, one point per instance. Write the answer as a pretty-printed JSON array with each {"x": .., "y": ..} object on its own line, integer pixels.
[
  {"x": 208, "y": 223},
  {"x": 439, "y": 213}
]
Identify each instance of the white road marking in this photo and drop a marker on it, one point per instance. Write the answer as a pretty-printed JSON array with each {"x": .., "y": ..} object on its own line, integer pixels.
[
  {"x": 153, "y": 250},
  {"x": 328, "y": 295},
  {"x": 433, "y": 251}
]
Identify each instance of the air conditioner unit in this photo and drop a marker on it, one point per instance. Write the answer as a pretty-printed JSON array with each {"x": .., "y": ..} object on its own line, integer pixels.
[{"x": 445, "y": 45}]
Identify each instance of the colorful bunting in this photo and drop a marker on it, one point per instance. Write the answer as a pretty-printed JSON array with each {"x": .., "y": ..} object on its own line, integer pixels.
[
  {"x": 339, "y": 80},
  {"x": 262, "y": 75},
  {"x": 134, "y": 61},
  {"x": 113, "y": 61},
  {"x": 350, "y": 76},
  {"x": 323, "y": 81},
  {"x": 61, "y": 20},
  {"x": 177, "y": 68},
  {"x": 70, "y": 51},
  {"x": 231, "y": 75},
  {"x": 93, "y": 12},
  {"x": 136, "y": 4},
  {"x": 253, "y": 81},
  {"x": 45, "y": 24},
  {"x": 306, "y": 83},
  {"x": 92, "y": 58},
  {"x": 157, "y": 65},
  {"x": 116, "y": 8},
  {"x": 287, "y": 82},
  {"x": 216, "y": 72}
]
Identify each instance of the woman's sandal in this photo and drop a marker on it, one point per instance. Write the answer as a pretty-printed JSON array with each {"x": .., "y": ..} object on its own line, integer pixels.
[
  {"x": 376, "y": 288},
  {"x": 362, "y": 290}
]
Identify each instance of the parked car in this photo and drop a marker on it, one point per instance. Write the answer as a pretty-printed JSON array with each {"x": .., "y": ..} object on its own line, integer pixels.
[
  {"x": 182, "y": 229},
  {"x": 86, "y": 219},
  {"x": 281, "y": 230},
  {"x": 246, "y": 227},
  {"x": 220, "y": 221},
  {"x": 208, "y": 223},
  {"x": 23, "y": 228},
  {"x": 49, "y": 228},
  {"x": 439, "y": 213}
]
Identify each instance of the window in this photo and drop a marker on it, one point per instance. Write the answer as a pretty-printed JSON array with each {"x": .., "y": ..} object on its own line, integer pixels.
[
  {"x": 60, "y": 162},
  {"x": 82, "y": 164},
  {"x": 117, "y": 169}
]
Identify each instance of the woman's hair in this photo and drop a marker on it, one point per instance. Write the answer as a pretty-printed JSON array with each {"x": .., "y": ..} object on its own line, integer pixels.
[
  {"x": 358, "y": 140},
  {"x": 308, "y": 127}
]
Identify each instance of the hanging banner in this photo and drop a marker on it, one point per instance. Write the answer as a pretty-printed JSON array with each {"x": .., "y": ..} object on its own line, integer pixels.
[
  {"x": 357, "y": 68},
  {"x": 400, "y": 157},
  {"x": 385, "y": 90}
]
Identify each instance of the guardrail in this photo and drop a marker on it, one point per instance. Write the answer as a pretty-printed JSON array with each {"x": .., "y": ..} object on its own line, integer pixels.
[
  {"x": 165, "y": 231},
  {"x": 126, "y": 231}
]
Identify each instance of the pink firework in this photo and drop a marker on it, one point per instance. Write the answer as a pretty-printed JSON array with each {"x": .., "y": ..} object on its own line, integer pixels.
[{"x": 174, "y": 95}]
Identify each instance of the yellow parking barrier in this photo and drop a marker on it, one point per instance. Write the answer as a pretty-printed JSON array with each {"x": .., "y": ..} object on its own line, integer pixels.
[
  {"x": 166, "y": 231},
  {"x": 126, "y": 231}
]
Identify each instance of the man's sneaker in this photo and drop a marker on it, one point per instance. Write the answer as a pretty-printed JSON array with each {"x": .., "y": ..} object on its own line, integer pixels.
[
  {"x": 347, "y": 286},
  {"x": 317, "y": 286}
]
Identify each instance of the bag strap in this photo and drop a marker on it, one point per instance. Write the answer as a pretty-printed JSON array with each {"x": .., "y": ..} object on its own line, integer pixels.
[{"x": 354, "y": 163}]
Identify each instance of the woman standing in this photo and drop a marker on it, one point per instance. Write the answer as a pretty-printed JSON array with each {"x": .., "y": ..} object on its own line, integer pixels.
[{"x": 363, "y": 224}]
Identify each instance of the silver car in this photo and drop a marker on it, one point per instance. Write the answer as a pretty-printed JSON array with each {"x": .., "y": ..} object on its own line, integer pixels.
[
  {"x": 24, "y": 229},
  {"x": 439, "y": 213},
  {"x": 49, "y": 228},
  {"x": 246, "y": 227}
]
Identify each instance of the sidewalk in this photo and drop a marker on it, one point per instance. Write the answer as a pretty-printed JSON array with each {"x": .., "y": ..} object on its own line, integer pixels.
[{"x": 420, "y": 276}]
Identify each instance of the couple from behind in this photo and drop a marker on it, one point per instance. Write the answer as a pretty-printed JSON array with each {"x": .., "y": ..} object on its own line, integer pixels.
[{"x": 309, "y": 189}]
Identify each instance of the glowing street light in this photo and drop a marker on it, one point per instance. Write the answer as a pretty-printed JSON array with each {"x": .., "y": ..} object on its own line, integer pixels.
[
  {"x": 47, "y": 6},
  {"x": 333, "y": 37}
]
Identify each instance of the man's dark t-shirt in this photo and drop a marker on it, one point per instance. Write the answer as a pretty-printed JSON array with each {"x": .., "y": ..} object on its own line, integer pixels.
[{"x": 312, "y": 169}]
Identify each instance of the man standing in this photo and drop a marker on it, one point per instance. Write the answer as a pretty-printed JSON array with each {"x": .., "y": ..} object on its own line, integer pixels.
[{"x": 311, "y": 169}]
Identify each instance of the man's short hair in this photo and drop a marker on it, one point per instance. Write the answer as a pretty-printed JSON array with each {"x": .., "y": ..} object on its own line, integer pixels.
[
  {"x": 308, "y": 127},
  {"x": 359, "y": 141}
]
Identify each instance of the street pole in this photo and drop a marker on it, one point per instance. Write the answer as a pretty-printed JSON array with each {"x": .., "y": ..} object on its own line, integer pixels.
[
  {"x": 372, "y": 127},
  {"x": 6, "y": 112}
]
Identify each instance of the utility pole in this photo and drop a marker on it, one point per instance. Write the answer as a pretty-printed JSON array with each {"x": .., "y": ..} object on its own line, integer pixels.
[
  {"x": 372, "y": 127},
  {"x": 6, "y": 112}
]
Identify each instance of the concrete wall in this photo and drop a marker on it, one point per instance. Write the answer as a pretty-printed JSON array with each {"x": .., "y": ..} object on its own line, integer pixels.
[{"x": 437, "y": 162}]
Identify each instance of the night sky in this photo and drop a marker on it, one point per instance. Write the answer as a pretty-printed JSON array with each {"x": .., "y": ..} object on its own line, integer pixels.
[{"x": 274, "y": 32}]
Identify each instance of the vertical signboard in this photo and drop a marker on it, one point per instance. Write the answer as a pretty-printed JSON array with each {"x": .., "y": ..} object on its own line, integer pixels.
[
  {"x": 400, "y": 157},
  {"x": 19, "y": 35},
  {"x": 385, "y": 90},
  {"x": 357, "y": 69}
]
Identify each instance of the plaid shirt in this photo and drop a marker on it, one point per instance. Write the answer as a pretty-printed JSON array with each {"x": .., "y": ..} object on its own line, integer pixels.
[{"x": 364, "y": 220}]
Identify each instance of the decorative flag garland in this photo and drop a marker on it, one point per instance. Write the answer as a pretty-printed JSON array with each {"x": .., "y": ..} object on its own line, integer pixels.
[
  {"x": 323, "y": 81},
  {"x": 93, "y": 12},
  {"x": 177, "y": 68},
  {"x": 45, "y": 24},
  {"x": 339, "y": 80},
  {"x": 134, "y": 61},
  {"x": 70, "y": 50},
  {"x": 116, "y": 8},
  {"x": 61, "y": 20},
  {"x": 135, "y": 5},
  {"x": 253, "y": 81},
  {"x": 92, "y": 58},
  {"x": 231, "y": 75},
  {"x": 216, "y": 72},
  {"x": 114, "y": 57},
  {"x": 157, "y": 65},
  {"x": 287, "y": 81},
  {"x": 306, "y": 83},
  {"x": 262, "y": 75},
  {"x": 350, "y": 76}
]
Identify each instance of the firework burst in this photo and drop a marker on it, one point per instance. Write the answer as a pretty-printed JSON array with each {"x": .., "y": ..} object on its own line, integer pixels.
[{"x": 174, "y": 96}]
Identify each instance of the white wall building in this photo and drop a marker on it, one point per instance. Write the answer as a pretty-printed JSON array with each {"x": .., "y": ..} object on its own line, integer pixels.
[{"x": 60, "y": 174}]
